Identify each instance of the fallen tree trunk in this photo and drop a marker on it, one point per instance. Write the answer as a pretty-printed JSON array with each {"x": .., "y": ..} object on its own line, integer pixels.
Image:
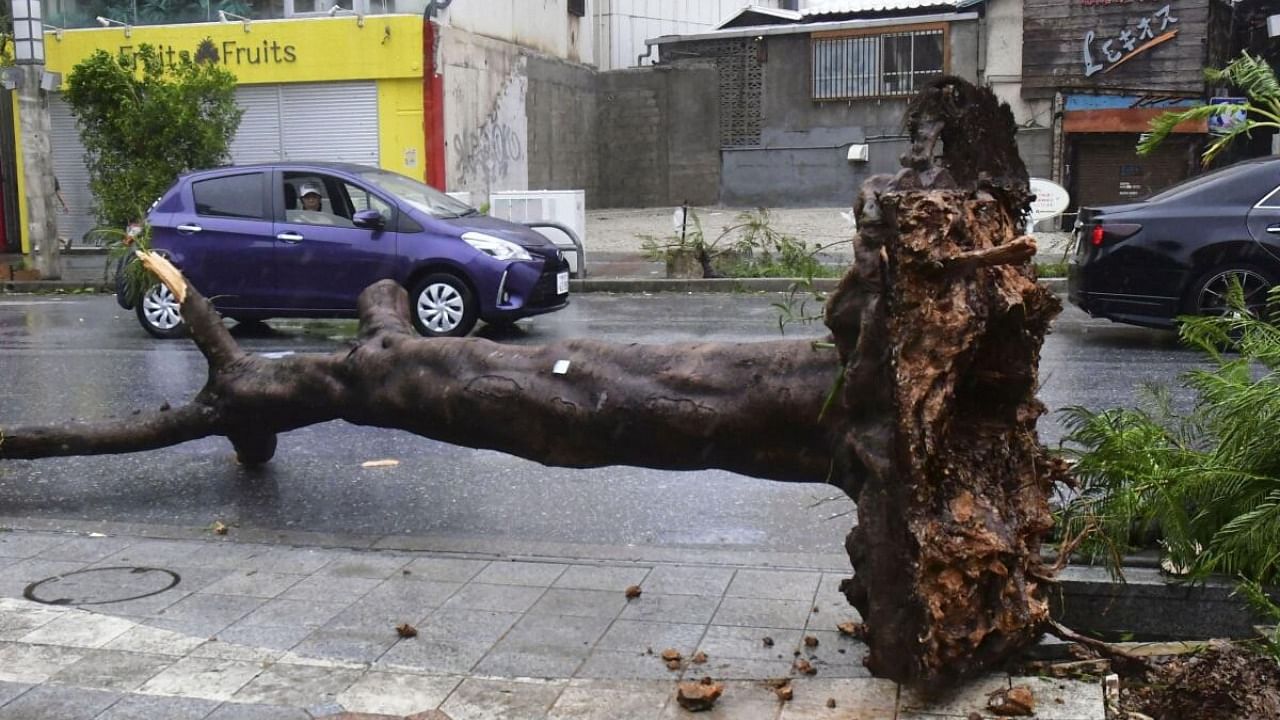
[{"x": 930, "y": 424}]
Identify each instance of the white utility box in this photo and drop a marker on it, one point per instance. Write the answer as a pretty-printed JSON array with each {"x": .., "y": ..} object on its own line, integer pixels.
[{"x": 565, "y": 207}]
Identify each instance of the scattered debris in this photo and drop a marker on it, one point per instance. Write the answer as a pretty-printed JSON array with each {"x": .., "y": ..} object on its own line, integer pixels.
[
  {"x": 405, "y": 630},
  {"x": 672, "y": 654},
  {"x": 831, "y": 702},
  {"x": 673, "y": 664},
  {"x": 805, "y": 667},
  {"x": 784, "y": 692},
  {"x": 855, "y": 630},
  {"x": 1224, "y": 681},
  {"x": 633, "y": 592},
  {"x": 974, "y": 716},
  {"x": 218, "y": 527},
  {"x": 379, "y": 463},
  {"x": 699, "y": 658},
  {"x": 1017, "y": 700},
  {"x": 699, "y": 696},
  {"x": 768, "y": 641},
  {"x": 810, "y": 641},
  {"x": 648, "y": 651},
  {"x": 815, "y": 608}
]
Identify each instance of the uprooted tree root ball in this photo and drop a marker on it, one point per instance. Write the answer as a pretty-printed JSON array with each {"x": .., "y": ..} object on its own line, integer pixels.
[{"x": 936, "y": 336}]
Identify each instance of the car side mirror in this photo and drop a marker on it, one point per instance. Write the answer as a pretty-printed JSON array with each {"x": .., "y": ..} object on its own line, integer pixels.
[{"x": 371, "y": 219}]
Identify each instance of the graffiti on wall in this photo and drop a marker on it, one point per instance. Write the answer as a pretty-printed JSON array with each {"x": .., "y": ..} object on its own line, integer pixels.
[{"x": 490, "y": 152}]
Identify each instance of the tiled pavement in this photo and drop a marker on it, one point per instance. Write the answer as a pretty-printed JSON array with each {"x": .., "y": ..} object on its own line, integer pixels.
[{"x": 254, "y": 630}]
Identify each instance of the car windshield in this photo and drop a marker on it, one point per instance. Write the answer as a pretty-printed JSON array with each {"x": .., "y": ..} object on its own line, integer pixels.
[{"x": 420, "y": 196}]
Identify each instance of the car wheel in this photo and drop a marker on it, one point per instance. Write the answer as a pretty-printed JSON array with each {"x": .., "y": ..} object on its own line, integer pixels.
[
  {"x": 160, "y": 314},
  {"x": 1209, "y": 295},
  {"x": 442, "y": 305}
]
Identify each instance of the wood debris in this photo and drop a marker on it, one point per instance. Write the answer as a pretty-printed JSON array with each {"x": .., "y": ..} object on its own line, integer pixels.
[
  {"x": 633, "y": 592},
  {"x": 1015, "y": 701},
  {"x": 405, "y": 630},
  {"x": 699, "y": 696}
]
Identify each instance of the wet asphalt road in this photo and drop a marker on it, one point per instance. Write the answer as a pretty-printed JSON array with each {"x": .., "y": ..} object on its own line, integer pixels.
[{"x": 83, "y": 357}]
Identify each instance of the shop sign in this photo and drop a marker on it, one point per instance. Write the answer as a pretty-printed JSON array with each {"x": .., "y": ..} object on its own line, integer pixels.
[
  {"x": 1139, "y": 36},
  {"x": 228, "y": 52}
]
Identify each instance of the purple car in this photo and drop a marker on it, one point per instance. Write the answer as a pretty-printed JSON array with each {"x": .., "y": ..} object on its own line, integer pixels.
[{"x": 304, "y": 239}]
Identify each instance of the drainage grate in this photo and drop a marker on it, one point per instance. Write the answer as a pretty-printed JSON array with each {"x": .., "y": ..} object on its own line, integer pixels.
[{"x": 99, "y": 586}]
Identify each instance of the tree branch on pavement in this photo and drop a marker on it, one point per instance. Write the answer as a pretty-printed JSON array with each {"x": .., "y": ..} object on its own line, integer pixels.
[{"x": 930, "y": 427}]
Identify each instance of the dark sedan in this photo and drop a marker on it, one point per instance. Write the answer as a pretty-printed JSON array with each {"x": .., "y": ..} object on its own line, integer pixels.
[
  {"x": 304, "y": 239},
  {"x": 1179, "y": 251}
]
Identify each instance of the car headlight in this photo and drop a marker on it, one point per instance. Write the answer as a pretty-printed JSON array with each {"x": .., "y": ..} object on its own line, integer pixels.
[{"x": 497, "y": 247}]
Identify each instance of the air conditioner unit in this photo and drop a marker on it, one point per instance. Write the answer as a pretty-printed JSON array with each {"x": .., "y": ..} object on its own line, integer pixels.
[{"x": 564, "y": 207}]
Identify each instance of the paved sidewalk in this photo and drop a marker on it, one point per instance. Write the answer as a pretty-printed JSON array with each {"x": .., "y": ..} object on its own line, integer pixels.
[{"x": 255, "y": 627}]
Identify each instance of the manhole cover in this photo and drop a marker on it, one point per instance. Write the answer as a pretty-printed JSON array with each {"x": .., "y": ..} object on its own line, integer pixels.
[{"x": 98, "y": 586}]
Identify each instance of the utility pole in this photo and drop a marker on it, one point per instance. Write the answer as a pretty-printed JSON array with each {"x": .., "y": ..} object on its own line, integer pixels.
[{"x": 32, "y": 86}]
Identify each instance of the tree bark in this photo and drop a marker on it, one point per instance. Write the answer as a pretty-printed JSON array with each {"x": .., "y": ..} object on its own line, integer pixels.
[
  {"x": 939, "y": 326},
  {"x": 922, "y": 407}
]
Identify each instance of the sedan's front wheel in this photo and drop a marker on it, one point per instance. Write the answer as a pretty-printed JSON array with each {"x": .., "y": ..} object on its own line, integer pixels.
[
  {"x": 442, "y": 305},
  {"x": 160, "y": 313},
  {"x": 1211, "y": 294}
]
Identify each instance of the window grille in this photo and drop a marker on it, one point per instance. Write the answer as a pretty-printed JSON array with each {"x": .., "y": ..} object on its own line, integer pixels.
[{"x": 895, "y": 63}]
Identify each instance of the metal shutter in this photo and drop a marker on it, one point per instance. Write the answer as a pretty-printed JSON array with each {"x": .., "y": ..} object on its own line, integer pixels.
[
  {"x": 1107, "y": 169},
  {"x": 258, "y": 137},
  {"x": 333, "y": 122},
  {"x": 73, "y": 176}
]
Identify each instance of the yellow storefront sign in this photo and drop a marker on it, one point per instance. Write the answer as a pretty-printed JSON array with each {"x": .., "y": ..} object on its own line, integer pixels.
[{"x": 265, "y": 51}]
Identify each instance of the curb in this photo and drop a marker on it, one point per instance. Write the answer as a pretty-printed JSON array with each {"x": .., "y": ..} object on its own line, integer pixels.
[{"x": 605, "y": 285}]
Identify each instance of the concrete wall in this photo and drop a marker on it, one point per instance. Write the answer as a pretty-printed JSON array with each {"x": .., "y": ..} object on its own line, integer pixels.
[
  {"x": 803, "y": 156},
  {"x": 1002, "y": 72},
  {"x": 542, "y": 25},
  {"x": 560, "y": 106},
  {"x": 485, "y": 123},
  {"x": 658, "y": 139},
  {"x": 516, "y": 119}
]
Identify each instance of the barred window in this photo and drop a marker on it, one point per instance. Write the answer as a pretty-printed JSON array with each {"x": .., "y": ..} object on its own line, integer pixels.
[{"x": 894, "y": 63}]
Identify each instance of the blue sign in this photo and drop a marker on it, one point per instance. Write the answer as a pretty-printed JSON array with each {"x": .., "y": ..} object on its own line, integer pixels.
[{"x": 1224, "y": 122}]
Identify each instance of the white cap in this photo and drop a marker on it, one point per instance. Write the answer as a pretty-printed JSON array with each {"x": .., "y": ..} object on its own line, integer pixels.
[{"x": 308, "y": 188}]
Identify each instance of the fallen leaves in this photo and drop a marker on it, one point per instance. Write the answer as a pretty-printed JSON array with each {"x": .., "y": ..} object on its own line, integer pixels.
[
  {"x": 810, "y": 641},
  {"x": 1017, "y": 700},
  {"x": 633, "y": 592},
  {"x": 804, "y": 667},
  {"x": 699, "y": 696},
  {"x": 699, "y": 658},
  {"x": 405, "y": 630}
]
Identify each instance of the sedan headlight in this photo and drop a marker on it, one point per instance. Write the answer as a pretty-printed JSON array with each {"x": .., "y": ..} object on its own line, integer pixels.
[{"x": 497, "y": 247}]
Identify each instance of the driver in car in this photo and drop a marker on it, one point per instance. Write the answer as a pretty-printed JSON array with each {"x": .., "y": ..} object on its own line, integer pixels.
[{"x": 312, "y": 211}]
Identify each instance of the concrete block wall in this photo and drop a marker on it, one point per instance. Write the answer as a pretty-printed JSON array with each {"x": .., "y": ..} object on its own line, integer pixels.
[
  {"x": 562, "y": 121},
  {"x": 658, "y": 137}
]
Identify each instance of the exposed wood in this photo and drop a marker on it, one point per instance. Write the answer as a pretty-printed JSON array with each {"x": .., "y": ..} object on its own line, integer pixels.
[{"x": 1123, "y": 120}]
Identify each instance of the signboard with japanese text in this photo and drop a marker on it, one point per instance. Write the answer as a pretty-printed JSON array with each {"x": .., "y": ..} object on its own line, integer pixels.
[{"x": 1148, "y": 46}]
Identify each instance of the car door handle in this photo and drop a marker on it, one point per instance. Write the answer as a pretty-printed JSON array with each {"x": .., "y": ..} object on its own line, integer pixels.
[
  {"x": 1273, "y": 229},
  {"x": 189, "y": 229},
  {"x": 289, "y": 237}
]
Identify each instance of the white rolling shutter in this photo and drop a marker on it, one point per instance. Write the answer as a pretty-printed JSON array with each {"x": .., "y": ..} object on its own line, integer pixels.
[
  {"x": 258, "y": 137},
  {"x": 332, "y": 122},
  {"x": 73, "y": 176}
]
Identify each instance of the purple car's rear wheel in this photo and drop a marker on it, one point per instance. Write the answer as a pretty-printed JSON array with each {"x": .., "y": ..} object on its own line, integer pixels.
[{"x": 442, "y": 305}]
